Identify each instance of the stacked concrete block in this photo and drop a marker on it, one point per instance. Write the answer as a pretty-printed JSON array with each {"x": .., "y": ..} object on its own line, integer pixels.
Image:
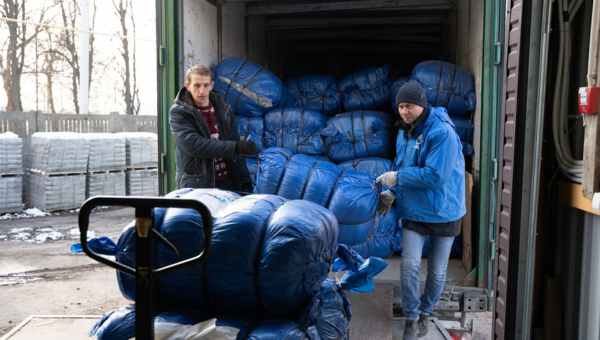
[
  {"x": 51, "y": 192},
  {"x": 57, "y": 167},
  {"x": 106, "y": 164},
  {"x": 142, "y": 182},
  {"x": 11, "y": 173},
  {"x": 142, "y": 163}
]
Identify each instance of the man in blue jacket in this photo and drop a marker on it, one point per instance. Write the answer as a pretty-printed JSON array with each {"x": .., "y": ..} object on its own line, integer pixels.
[{"x": 427, "y": 189}]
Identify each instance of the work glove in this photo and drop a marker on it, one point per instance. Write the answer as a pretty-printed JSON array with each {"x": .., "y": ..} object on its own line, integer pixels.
[
  {"x": 388, "y": 179},
  {"x": 386, "y": 200},
  {"x": 246, "y": 148}
]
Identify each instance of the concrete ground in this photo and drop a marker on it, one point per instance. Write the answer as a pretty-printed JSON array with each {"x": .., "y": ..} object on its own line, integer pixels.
[{"x": 40, "y": 276}]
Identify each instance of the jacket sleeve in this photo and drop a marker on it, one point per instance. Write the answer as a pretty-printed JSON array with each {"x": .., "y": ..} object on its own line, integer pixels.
[
  {"x": 192, "y": 142},
  {"x": 442, "y": 151}
]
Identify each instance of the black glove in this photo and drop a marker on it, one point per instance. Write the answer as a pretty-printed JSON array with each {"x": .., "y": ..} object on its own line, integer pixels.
[
  {"x": 386, "y": 200},
  {"x": 246, "y": 148}
]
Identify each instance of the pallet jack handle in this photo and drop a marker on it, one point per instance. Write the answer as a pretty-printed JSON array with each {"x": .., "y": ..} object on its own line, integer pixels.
[{"x": 144, "y": 271}]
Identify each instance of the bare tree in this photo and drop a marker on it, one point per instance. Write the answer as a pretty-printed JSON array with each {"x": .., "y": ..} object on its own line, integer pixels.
[
  {"x": 50, "y": 59},
  {"x": 15, "y": 18},
  {"x": 123, "y": 8},
  {"x": 68, "y": 48}
]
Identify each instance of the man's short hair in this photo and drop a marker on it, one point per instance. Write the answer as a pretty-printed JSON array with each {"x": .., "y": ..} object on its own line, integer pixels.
[{"x": 200, "y": 70}]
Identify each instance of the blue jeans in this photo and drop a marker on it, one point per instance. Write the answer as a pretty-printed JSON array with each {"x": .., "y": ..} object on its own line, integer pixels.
[{"x": 437, "y": 264}]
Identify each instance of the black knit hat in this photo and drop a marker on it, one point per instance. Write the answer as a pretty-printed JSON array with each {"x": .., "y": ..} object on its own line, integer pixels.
[{"x": 412, "y": 92}]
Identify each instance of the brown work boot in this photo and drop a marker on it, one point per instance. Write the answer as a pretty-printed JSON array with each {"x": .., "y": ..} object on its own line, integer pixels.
[
  {"x": 423, "y": 325},
  {"x": 410, "y": 330}
]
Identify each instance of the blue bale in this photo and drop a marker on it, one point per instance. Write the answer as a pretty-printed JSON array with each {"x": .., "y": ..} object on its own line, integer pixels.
[
  {"x": 373, "y": 166},
  {"x": 367, "y": 89},
  {"x": 350, "y": 195},
  {"x": 295, "y": 129},
  {"x": 358, "y": 134},
  {"x": 464, "y": 129},
  {"x": 248, "y": 88},
  {"x": 447, "y": 85},
  {"x": 250, "y": 128},
  {"x": 315, "y": 92},
  {"x": 186, "y": 238},
  {"x": 386, "y": 239}
]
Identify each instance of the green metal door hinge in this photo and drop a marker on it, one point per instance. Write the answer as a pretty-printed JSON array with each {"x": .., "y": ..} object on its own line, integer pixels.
[{"x": 162, "y": 56}]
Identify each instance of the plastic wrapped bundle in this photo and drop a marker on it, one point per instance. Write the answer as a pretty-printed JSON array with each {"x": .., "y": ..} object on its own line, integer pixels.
[
  {"x": 11, "y": 193},
  {"x": 107, "y": 151},
  {"x": 248, "y": 88},
  {"x": 58, "y": 152},
  {"x": 11, "y": 154},
  {"x": 367, "y": 89},
  {"x": 141, "y": 149},
  {"x": 250, "y": 128},
  {"x": 296, "y": 129},
  {"x": 374, "y": 166},
  {"x": 271, "y": 256},
  {"x": 357, "y": 134},
  {"x": 252, "y": 166},
  {"x": 326, "y": 317},
  {"x": 464, "y": 129},
  {"x": 350, "y": 195},
  {"x": 315, "y": 92},
  {"x": 447, "y": 85},
  {"x": 396, "y": 85},
  {"x": 187, "y": 237},
  {"x": 385, "y": 240}
]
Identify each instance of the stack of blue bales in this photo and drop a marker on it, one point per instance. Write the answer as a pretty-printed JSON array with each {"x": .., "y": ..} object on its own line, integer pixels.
[
  {"x": 366, "y": 89},
  {"x": 352, "y": 196},
  {"x": 269, "y": 259},
  {"x": 314, "y": 92},
  {"x": 250, "y": 90},
  {"x": 448, "y": 85}
]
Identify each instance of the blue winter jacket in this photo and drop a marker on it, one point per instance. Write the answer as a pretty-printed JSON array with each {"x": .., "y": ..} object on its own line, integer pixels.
[{"x": 430, "y": 171}]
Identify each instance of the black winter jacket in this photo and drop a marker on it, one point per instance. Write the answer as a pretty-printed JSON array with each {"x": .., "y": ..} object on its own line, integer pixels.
[{"x": 196, "y": 151}]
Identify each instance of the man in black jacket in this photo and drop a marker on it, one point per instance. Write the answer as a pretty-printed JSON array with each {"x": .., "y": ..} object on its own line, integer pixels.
[{"x": 208, "y": 148}]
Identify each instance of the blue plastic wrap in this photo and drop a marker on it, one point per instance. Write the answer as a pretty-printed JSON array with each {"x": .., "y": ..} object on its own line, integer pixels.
[
  {"x": 238, "y": 234},
  {"x": 295, "y": 129},
  {"x": 367, "y": 89},
  {"x": 351, "y": 195},
  {"x": 394, "y": 87},
  {"x": 358, "y": 134},
  {"x": 315, "y": 92},
  {"x": 373, "y": 166},
  {"x": 115, "y": 325},
  {"x": 385, "y": 240},
  {"x": 248, "y": 88},
  {"x": 299, "y": 246},
  {"x": 252, "y": 166},
  {"x": 250, "y": 128},
  {"x": 446, "y": 85},
  {"x": 182, "y": 227},
  {"x": 463, "y": 128},
  {"x": 359, "y": 271}
]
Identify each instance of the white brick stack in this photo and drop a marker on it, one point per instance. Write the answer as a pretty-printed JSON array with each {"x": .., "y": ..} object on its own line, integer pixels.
[
  {"x": 106, "y": 164},
  {"x": 11, "y": 172},
  {"x": 142, "y": 163}
]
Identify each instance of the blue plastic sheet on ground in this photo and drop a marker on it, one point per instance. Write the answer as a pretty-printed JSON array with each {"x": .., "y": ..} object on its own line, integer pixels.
[
  {"x": 366, "y": 89},
  {"x": 351, "y": 195},
  {"x": 394, "y": 87},
  {"x": 358, "y": 134},
  {"x": 296, "y": 129},
  {"x": 447, "y": 85},
  {"x": 373, "y": 166},
  {"x": 359, "y": 271},
  {"x": 315, "y": 92},
  {"x": 101, "y": 245},
  {"x": 385, "y": 240},
  {"x": 250, "y": 128},
  {"x": 248, "y": 88}
]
